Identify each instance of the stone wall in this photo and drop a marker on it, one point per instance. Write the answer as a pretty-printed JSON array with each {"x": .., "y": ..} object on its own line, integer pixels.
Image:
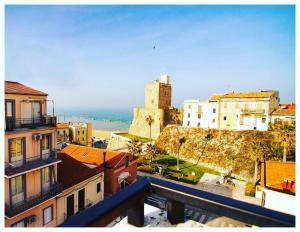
[{"x": 117, "y": 142}]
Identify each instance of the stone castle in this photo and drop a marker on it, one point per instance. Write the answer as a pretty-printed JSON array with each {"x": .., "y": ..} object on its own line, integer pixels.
[{"x": 158, "y": 112}]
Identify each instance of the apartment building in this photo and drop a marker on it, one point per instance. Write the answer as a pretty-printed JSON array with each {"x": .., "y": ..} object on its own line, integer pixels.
[
  {"x": 62, "y": 134},
  {"x": 233, "y": 111},
  {"x": 81, "y": 133},
  {"x": 30, "y": 158},
  {"x": 82, "y": 188},
  {"x": 200, "y": 114},
  {"x": 286, "y": 114}
]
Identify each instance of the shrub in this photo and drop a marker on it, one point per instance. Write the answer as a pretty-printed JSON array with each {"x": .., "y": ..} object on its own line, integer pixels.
[
  {"x": 185, "y": 178},
  {"x": 250, "y": 189},
  {"x": 146, "y": 169}
]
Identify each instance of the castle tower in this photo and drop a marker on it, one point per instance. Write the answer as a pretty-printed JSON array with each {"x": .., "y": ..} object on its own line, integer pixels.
[{"x": 158, "y": 94}]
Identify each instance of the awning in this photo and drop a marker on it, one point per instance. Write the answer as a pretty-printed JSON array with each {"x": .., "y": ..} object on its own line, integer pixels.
[{"x": 123, "y": 176}]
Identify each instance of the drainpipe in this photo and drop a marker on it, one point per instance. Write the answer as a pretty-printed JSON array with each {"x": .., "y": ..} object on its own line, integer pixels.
[{"x": 104, "y": 157}]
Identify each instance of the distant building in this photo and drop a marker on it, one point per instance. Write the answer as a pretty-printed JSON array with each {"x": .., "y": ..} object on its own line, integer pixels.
[
  {"x": 158, "y": 96},
  {"x": 200, "y": 114},
  {"x": 278, "y": 186},
  {"x": 120, "y": 167},
  {"x": 30, "y": 158},
  {"x": 235, "y": 111},
  {"x": 62, "y": 133},
  {"x": 83, "y": 186},
  {"x": 81, "y": 133},
  {"x": 286, "y": 115}
]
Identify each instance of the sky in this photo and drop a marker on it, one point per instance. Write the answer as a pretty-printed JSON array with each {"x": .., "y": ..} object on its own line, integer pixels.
[{"x": 102, "y": 56}]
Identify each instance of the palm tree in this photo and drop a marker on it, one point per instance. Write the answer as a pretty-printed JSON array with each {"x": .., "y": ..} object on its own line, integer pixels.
[
  {"x": 149, "y": 120},
  {"x": 151, "y": 152},
  {"x": 206, "y": 139},
  {"x": 259, "y": 152},
  {"x": 134, "y": 147},
  {"x": 284, "y": 136},
  {"x": 181, "y": 141}
]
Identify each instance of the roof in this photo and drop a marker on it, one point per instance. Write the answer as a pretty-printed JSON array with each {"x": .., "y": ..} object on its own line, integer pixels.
[
  {"x": 71, "y": 172},
  {"x": 289, "y": 112},
  {"x": 258, "y": 94},
  {"x": 12, "y": 87},
  {"x": 89, "y": 155},
  {"x": 277, "y": 172},
  {"x": 62, "y": 125},
  {"x": 290, "y": 106},
  {"x": 119, "y": 160}
]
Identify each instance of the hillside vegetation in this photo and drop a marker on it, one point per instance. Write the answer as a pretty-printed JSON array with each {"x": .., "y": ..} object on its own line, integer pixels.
[{"x": 226, "y": 150}]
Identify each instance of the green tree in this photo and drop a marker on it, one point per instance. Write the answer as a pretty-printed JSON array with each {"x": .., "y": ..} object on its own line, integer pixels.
[
  {"x": 180, "y": 142},
  {"x": 285, "y": 136},
  {"x": 150, "y": 121},
  {"x": 151, "y": 152},
  {"x": 134, "y": 147}
]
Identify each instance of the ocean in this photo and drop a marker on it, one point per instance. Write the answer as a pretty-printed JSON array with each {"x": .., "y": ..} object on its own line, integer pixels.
[{"x": 106, "y": 119}]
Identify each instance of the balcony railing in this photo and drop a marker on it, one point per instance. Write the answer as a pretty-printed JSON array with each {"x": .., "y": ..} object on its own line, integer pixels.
[
  {"x": 12, "y": 123},
  {"x": 32, "y": 201},
  {"x": 19, "y": 166},
  {"x": 253, "y": 110}
]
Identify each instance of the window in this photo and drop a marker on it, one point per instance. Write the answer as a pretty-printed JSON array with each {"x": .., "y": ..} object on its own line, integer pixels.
[
  {"x": 224, "y": 118},
  {"x": 214, "y": 120},
  {"x": 45, "y": 179},
  {"x": 82, "y": 139},
  {"x": 64, "y": 133},
  {"x": 83, "y": 132},
  {"x": 16, "y": 151},
  {"x": 47, "y": 215},
  {"x": 98, "y": 187},
  {"x": 189, "y": 115},
  {"x": 21, "y": 223},
  {"x": 58, "y": 132},
  {"x": 198, "y": 124},
  {"x": 45, "y": 146},
  {"x": 237, "y": 105},
  {"x": 225, "y": 105},
  {"x": 199, "y": 109},
  {"x": 189, "y": 106},
  {"x": 199, "y": 115},
  {"x": 214, "y": 111},
  {"x": 17, "y": 187},
  {"x": 188, "y": 123},
  {"x": 263, "y": 120}
]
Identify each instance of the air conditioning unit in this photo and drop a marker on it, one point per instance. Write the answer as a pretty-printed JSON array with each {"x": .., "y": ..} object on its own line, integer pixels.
[
  {"x": 37, "y": 137},
  {"x": 31, "y": 219}
]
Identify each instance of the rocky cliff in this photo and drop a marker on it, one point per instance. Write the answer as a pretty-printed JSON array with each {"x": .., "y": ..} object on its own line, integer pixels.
[{"x": 225, "y": 151}]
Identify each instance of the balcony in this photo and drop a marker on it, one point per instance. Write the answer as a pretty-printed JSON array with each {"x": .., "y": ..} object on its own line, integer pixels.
[
  {"x": 252, "y": 111},
  {"x": 33, "y": 201},
  {"x": 12, "y": 123},
  {"x": 22, "y": 166}
]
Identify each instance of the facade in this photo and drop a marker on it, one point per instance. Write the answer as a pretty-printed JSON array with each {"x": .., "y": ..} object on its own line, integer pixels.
[
  {"x": 82, "y": 188},
  {"x": 120, "y": 168},
  {"x": 284, "y": 115},
  {"x": 278, "y": 186},
  {"x": 235, "y": 111},
  {"x": 62, "y": 134},
  {"x": 200, "y": 114},
  {"x": 81, "y": 133},
  {"x": 30, "y": 158}
]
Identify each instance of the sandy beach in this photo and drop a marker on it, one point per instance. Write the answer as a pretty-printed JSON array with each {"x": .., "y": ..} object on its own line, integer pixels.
[{"x": 100, "y": 133}]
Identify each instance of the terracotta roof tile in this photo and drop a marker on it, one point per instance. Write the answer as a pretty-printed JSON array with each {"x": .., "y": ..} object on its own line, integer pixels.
[
  {"x": 71, "y": 172},
  {"x": 289, "y": 112},
  {"x": 18, "y": 88},
  {"x": 89, "y": 155},
  {"x": 62, "y": 125},
  {"x": 259, "y": 94}
]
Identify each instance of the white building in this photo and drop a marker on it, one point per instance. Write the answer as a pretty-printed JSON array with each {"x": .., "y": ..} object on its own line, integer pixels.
[{"x": 202, "y": 114}]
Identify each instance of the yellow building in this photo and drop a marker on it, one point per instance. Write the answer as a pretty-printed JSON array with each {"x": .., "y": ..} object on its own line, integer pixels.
[
  {"x": 246, "y": 110},
  {"x": 30, "y": 158},
  {"x": 62, "y": 133},
  {"x": 81, "y": 188},
  {"x": 81, "y": 133}
]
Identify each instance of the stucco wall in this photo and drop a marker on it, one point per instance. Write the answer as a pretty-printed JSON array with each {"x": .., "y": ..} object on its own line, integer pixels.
[{"x": 117, "y": 141}]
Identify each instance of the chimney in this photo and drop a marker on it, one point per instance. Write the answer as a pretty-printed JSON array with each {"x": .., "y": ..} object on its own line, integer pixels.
[{"x": 104, "y": 158}]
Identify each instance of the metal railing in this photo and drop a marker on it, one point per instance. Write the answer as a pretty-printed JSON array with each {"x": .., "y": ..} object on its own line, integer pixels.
[
  {"x": 32, "y": 201},
  {"x": 30, "y": 161},
  {"x": 12, "y": 123}
]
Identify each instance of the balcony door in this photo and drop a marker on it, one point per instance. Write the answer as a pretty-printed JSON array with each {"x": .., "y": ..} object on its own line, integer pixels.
[
  {"x": 45, "y": 146},
  {"x": 17, "y": 189},
  {"x": 16, "y": 152},
  {"x": 46, "y": 179},
  {"x": 81, "y": 199},
  {"x": 70, "y": 205},
  {"x": 31, "y": 112},
  {"x": 9, "y": 114}
]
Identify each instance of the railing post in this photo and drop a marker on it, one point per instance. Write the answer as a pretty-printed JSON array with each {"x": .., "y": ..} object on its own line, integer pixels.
[
  {"x": 175, "y": 212},
  {"x": 136, "y": 213}
]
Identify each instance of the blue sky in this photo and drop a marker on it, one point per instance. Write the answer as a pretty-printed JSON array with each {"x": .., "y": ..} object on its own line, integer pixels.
[{"x": 102, "y": 56}]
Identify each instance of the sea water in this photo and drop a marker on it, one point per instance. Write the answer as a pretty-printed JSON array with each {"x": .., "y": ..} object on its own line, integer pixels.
[{"x": 106, "y": 119}]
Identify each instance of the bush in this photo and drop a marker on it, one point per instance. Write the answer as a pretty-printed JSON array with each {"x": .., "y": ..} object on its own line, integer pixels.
[
  {"x": 185, "y": 178},
  {"x": 146, "y": 169},
  {"x": 250, "y": 189}
]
